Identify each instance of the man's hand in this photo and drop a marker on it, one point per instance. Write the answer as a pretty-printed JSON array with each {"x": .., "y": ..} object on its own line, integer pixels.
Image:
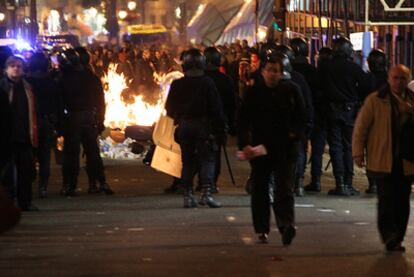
[{"x": 359, "y": 161}]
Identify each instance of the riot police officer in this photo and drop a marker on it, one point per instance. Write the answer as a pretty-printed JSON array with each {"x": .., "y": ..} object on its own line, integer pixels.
[
  {"x": 345, "y": 85},
  {"x": 377, "y": 63},
  {"x": 377, "y": 75},
  {"x": 81, "y": 102},
  {"x": 319, "y": 131},
  {"x": 227, "y": 93},
  {"x": 95, "y": 173},
  {"x": 301, "y": 64},
  {"x": 194, "y": 104}
]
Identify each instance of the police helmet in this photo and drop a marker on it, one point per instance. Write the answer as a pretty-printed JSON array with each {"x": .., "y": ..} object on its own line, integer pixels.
[
  {"x": 377, "y": 61},
  {"x": 193, "y": 59},
  {"x": 343, "y": 47},
  {"x": 69, "y": 59},
  {"x": 213, "y": 56},
  {"x": 279, "y": 57},
  {"x": 285, "y": 49},
  {"x": 325, "y": 53},
  {"x": 84, "y": 55},
  {"x": 266, "y": 50},
  {"x": 299, "y": 47}
]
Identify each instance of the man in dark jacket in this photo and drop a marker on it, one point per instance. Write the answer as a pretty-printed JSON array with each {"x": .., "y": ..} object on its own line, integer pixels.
[
  {"x": 271, "y": 124},
  {"x": 194, "y": 104},
  {"x": 298, "y": 78},
  {"x": 20, "y": 133}
]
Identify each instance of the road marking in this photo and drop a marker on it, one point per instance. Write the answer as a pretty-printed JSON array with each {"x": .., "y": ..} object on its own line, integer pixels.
[
  {"x": 304, "y": 205},
  {"x": 136, "y": 229}
]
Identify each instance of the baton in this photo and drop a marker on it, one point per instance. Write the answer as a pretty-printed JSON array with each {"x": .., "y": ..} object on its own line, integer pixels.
[
  {"x": 228, "y": 164},
  {"x": 328, "y": 164}
]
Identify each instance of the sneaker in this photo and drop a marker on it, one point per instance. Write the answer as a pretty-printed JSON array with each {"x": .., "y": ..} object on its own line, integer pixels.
[{"x": 263, "y": 238}]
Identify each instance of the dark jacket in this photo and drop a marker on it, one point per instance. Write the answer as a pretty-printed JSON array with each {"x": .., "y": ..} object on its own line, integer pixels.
[
  {"x": 194, "y": 102},
  {"x": 268, "y": 116},
  {"x": 5, "y": 125},
  {"x": 343, "y": 81},
  {"x": 300, "y": 80},
  {"x": 46, "y": 91},
  {"x": 228, "y": 96},
  {"x": 82, "y": 91},
  {"x": 19, "y": 116}
]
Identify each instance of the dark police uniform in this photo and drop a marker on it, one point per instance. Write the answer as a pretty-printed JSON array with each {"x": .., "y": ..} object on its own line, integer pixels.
[
  {"x": 82, "y": 101},
  {"x": 344, "y": 84},
  {"x": 194, "y": 104}
]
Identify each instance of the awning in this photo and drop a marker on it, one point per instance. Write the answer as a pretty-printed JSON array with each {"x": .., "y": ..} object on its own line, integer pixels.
[
  {"x": 210, "y": 20},
  {"x": 242, "y": 26}
]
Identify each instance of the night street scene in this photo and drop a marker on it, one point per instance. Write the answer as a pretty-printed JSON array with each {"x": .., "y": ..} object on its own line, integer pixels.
[{"x": 206, "y": 138}]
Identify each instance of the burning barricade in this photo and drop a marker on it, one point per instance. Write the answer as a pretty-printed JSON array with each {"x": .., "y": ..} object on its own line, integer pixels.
[{"x": 130, "y": 121}]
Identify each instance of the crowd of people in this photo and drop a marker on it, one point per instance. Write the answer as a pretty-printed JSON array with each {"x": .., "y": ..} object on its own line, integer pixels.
[{"x": 270, "y": 96}]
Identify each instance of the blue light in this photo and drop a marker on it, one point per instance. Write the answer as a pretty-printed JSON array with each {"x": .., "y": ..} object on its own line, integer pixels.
[{"x": 22, "y": 45}]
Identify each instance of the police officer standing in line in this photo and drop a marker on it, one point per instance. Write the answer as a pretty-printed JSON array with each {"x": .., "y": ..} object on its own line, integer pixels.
[
  {"x": 345, "y": 85},
  {"x": 227, "y": 93},
  {"x": 377, "y": 75},
  {"x": 93, "y": 168},
  {"x": 301, "y": 64},
  {"x": 194, "y": 104},
  {"x": 271, "y": 123},
  {"x": 299, "y": 79},
  {"x": 319, "y": 131},
  {"x": 81, "y": 101},
  {"x": 47, "y": 95}
]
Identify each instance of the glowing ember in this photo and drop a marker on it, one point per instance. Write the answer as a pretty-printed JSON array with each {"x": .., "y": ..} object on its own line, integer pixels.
[{"x": 120, "y": 114}]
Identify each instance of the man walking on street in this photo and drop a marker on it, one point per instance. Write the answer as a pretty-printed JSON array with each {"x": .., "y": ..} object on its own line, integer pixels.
[{"x": 383, "y": 118}]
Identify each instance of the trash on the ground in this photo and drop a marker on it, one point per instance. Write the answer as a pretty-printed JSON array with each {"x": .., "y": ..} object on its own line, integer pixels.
[
  {"x": 304, "y": 205},
  {"x": 116, "y": 228},
  {"x": 109, "y": 232},
  {"x": 326, "y": 210},
  {"x": 231, "y": 218},
  {"x": 118, "y": 151},
  {"x": 347, "y": 211}
]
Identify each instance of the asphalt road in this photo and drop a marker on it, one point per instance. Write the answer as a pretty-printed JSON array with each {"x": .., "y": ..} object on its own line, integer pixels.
[{"x": 141, "y": 231}]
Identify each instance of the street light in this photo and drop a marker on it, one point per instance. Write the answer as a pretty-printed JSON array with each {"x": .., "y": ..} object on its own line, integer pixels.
[
  {"x": 2, "y": 17},
  {"x": 132, "y": 5},
  {"x": 122, "y": 14}
]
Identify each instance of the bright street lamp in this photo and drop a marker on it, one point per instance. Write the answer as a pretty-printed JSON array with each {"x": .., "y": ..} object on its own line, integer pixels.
[
  {"x": 132, "y": 5},
  {"x": 122, "y": 14}
]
